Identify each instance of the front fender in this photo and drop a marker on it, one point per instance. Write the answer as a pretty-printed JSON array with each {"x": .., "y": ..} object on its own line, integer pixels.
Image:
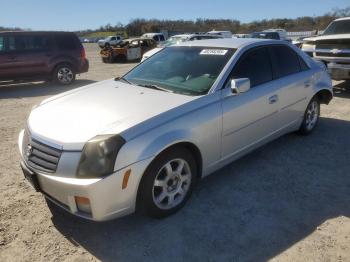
[{"x": 149, "y": 147}]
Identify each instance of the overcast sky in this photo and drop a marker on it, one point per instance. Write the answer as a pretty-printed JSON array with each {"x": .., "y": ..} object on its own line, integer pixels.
[{"x": 79, "y": 14}]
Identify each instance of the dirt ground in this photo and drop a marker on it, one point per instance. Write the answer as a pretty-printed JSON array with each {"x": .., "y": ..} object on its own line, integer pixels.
[{"x": 288, "y": 201}]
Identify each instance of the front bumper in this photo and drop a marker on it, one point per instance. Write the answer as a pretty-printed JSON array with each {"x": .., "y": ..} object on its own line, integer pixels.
[
  {"x": 108, "y": 200},
  {"x": 339, "y": 71}
]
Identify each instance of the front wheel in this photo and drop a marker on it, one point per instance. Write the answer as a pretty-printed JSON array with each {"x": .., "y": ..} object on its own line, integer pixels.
[
  {"x": 167, "y": 183},
  {"x": 311, "y": 117}
]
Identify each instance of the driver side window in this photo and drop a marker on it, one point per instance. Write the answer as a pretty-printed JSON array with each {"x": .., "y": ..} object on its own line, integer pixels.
[{"x": 254, "y": 64}]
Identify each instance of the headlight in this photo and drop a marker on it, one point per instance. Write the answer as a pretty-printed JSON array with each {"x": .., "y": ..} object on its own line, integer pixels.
[
  {"x": 99, "y": 155},
  {"x": 308, "y": 45}
]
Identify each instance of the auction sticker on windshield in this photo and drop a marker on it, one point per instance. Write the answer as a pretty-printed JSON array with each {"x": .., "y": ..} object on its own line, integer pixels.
[{"x": 213, "y": 52}]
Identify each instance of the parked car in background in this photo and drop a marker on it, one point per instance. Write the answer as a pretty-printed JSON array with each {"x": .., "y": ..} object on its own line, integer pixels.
[
  {"x": 110, "y": 41},
  {"x": 143, "y": 140},
  {"x": 127, "y": 50},
  {"x": 224, "y": 34},
  {"x": 298, "y": 42},
  {"x": 332, "y": 48},
  {"x": 158, "y": 37},
  {"x": 282, "y": 33},
  {"x": 176, "y": 39},
  {"x": 57, "y": 56},
  {"x": 266, "y": 35}
]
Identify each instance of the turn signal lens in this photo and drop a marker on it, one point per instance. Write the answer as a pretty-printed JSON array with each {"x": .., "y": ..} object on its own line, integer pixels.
[
  {"x": 126, "y": 178},
  {"x": 83, "y": 204}
]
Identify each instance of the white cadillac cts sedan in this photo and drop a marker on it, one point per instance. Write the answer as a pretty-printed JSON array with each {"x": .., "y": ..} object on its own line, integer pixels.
[{"x": 143, "y": 140}]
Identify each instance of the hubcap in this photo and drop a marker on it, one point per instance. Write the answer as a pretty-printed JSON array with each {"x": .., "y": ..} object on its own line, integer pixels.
[
  {"x": 171, "y": 184},
  {"x": 65, "y": 75},
  {"x": 311, "y": 115}
]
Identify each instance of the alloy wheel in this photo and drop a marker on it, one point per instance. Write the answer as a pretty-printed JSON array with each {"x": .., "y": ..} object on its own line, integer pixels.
[
  {"x": 65, "y": 75},
  {"x": 312, "y": 114},
  {"x": 171, "y": 184}
]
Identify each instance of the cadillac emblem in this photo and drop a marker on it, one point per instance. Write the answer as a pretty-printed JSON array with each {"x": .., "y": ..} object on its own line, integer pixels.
[{"x": 29, "y": 150}]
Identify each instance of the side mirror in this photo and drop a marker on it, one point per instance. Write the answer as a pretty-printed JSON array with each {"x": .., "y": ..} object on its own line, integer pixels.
[{"x": 240, "y": 85}]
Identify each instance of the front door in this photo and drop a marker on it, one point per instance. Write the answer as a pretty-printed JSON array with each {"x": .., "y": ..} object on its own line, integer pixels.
[
  {"x": 29, "y": 53},
  {"x": 250, "y": 117}
]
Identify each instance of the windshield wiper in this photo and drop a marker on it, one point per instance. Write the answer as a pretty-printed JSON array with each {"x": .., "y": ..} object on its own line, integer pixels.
[
  {"x": 155, "y": 87},
  {"x": 120, "y": 78}
]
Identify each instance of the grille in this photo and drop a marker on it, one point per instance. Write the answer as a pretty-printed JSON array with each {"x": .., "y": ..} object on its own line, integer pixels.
[
  {"x": 40, "y": 156},
  {"x": 309, "y": 54},
  {"x": 333, "y": 44},
  {"x": 332, "y": 54}
]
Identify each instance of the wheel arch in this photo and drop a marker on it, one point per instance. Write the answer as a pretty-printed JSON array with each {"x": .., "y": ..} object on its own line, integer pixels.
[
  {"x": 57, "y": 64},
  {"x": 182, "y": 144},
  {"x": 324, "y": 96}
]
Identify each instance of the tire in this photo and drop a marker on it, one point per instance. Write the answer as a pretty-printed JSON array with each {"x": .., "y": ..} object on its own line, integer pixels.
[
  {"x": 107, "y": 45},
  {"x": 107, "y": 60},
  {"x": 64, "y": 74},
  {"x": 311, "y": 117},
  {"x": 163, "y": 189},
  {"x": 121, "y": 59}
]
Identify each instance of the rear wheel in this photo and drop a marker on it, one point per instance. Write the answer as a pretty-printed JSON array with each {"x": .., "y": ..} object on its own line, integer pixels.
[
  {"x": 311, "y": 117},
  {"x": 167, "y": 183},
  {"x": 64, "y": 74}
]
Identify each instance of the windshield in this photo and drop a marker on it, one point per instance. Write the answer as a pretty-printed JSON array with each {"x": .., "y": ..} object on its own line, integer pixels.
[
  {"x": 338, "y": 27},
  {"x": 185, "y": 70}
]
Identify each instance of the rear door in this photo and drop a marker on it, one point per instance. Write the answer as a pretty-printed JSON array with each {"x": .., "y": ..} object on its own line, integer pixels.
[
  {"x": 250, "y": 117},
  {"x": 134, "y": 50},
  {"x": 293, "y": 75}
]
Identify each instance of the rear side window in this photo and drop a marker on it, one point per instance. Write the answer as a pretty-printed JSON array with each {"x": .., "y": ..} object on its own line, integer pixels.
[
  {"x": 28, "y": 43},
  {"x": 66, "y": 41},
  {"x": 2, "y": 43},
  {"x": 255, "y": 65},
  {"x": 284, "y": 61}
]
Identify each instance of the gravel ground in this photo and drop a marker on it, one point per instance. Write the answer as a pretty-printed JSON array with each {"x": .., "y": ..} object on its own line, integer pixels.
[{"x": 288, "y": 201}]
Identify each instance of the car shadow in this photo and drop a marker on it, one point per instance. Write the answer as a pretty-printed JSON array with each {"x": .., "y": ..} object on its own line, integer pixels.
[
  {"x": 342, "y": 89},
  {"x": 34, "y": 89},
  {"x": 251, "y": 210}
]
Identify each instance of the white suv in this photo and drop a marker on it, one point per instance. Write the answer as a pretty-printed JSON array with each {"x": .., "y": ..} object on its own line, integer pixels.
[{"x": 110, "y": 41}]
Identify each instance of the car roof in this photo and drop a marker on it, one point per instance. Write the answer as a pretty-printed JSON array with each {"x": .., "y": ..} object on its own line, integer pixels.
[
  {"x": 225, "y": 42},
  {"x": 36, "y": 32},
  {"x": 190, "y": 35},
  {"x": 152, "y": 34},
  {"x": 343, "y": 18}
]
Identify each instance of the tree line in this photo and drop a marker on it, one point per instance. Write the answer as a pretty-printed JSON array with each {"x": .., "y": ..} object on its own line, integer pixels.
[{"x": 140, "y": 26}]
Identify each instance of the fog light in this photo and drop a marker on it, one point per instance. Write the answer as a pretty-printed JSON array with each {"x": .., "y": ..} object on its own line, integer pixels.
[{"x": 83, "y": 204}]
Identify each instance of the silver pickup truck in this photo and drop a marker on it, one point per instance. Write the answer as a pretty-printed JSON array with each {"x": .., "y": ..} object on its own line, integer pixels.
[{"x": 332, "y": 48}]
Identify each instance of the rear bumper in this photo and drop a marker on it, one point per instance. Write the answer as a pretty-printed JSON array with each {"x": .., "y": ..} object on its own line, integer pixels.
[{"x": 84, "y": 66}]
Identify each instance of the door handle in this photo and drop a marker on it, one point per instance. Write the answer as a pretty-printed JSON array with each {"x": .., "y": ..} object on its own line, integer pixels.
[
  {"x": 273, "y": 99},
  {"x": 12, "y": 57},
  {"x": 307, "y": 84}
]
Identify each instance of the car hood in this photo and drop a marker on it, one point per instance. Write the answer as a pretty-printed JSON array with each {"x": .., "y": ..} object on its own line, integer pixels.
[
  {"x": 72, "y": 118},
  {"x": 328, "y": 37}
]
